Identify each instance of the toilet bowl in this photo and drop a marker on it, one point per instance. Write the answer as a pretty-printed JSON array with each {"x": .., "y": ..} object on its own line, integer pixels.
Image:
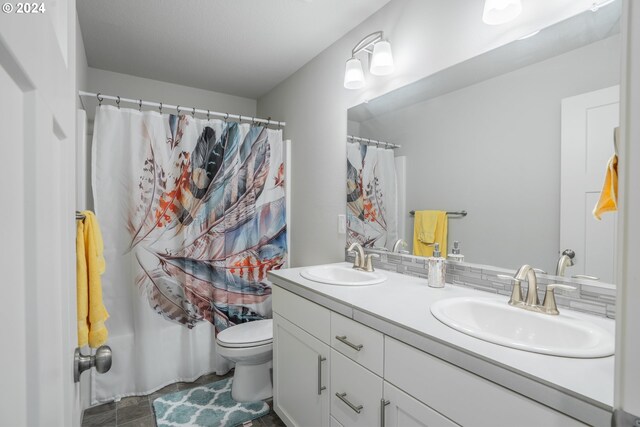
[{"x": 250, "y": 346}]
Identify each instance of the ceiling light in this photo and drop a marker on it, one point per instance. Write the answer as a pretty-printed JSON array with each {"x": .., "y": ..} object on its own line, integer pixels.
[
  {"x": 380, "y": 60},
  {"x": 353, "y": 74},
  {"x": 498, "y": 12}
]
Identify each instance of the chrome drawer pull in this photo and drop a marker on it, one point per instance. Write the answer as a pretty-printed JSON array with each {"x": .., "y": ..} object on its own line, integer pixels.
[
  {"x": 343, "y": 339},
  {"x": 383, "y": 410},
  {"x": 320, "y": 386},
  {"x": 343, "y": 397}
]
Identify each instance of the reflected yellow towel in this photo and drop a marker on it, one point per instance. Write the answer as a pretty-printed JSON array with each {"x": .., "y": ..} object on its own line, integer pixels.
[
  {"x": 609, "y": 196},
  {"x": 90, "y": 265},
  {"x": 429, "y": 227}
]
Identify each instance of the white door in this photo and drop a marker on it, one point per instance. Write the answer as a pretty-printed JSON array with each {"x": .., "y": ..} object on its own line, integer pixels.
[
  {"x": 37, "y": 223},
  {"x": 300, "y": 376},
  {"x": 402, "y": 410},
  {"x": 588, "y": 121}
]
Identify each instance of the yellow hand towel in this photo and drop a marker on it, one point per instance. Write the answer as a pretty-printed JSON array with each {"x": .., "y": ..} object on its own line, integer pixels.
[
  {"x": 608, "y": 201},
  {"x": 429, "y": 227},
  {"x": 90, "y": 265}
]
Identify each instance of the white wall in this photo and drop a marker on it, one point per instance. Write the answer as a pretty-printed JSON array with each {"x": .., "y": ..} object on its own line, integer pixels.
[
  {"x": 427, "y": 36},
  {"x": 493, "y": 149}
]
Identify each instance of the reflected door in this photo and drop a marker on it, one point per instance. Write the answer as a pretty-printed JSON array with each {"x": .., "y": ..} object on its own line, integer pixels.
[{"x": 588, "y": 123}]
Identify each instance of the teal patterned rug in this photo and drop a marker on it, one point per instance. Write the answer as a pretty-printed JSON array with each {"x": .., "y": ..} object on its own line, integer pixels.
[{"x": 206, "y": 406}]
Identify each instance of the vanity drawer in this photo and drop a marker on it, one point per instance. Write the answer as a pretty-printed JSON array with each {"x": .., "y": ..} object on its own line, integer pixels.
[
  {"x": 362, "y": 387},
  {"x": 358, "y": 342},
  {"x": 303, "y": 313},
  {"x": 461, "y": 396}
]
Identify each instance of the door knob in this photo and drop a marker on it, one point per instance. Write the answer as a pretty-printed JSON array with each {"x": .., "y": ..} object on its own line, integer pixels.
[{"x": 101, "y": 361}]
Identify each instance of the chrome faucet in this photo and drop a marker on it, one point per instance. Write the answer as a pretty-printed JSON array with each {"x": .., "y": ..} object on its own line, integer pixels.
[
  {"x": 362, "y": 262},
  {"x": 531, "y": 302},
  {"x": 566, "y": 260},
  {"x": 399, "y": 245}
]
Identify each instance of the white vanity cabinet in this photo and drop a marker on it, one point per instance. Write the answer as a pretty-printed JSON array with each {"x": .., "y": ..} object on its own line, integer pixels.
[{"x": 330, "y": 370}]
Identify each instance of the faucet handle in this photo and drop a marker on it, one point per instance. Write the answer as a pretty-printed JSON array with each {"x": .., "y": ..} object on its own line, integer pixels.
[
  {"x": 368, "y": 265},
  {"x": 516, "y": 291},
  {"x": 584, "y": 276},
  {"x": 549, "y": 304},
  {"x": 540, "y": 271}
]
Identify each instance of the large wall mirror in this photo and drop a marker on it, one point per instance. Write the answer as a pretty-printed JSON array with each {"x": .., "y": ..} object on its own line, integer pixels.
[{"x": 519, "y": 138}]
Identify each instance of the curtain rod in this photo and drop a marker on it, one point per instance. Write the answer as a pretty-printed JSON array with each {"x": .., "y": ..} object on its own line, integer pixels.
[
  {"x": 140, "y": 103},
  {"x": 373, "y": 142}
]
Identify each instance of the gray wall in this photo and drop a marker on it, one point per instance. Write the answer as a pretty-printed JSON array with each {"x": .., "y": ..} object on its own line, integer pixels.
[
  {"x": 427, "y": 36},
  {"x": 493, "y": 149}
]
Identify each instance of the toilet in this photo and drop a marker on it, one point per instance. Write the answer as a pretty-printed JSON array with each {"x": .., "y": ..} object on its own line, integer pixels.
[{"x": 250, "y": 346}]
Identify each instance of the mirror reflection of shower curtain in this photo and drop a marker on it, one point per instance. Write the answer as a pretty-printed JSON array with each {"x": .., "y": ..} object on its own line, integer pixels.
[
  {"x": 372, "y": 206},
  {"x": 193, "y": 217}
]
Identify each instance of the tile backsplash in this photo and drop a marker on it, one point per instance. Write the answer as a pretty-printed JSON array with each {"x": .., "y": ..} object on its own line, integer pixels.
[{"x": 590, "y": 297}]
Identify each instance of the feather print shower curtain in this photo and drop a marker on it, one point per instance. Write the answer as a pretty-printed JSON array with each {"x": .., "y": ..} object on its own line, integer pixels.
[
  {"x": 372, "y": 206},
  {"x": 193, "y": 218}
]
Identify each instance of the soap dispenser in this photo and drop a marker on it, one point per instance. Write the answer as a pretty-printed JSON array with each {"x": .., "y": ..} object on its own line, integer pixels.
[
  {"x": 455, "y": 254},
  {"x": 436, "y": 268}
]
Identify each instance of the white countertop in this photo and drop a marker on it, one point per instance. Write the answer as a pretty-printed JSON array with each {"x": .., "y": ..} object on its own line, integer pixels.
[{"x": 405, "y": 300}]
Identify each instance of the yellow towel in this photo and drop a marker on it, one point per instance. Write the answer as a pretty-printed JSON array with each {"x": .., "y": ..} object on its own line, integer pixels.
[
  {"x": 609, "y": 196},
  {"x": 429, "y": 227},
  {"x": 90, "y": 265}
]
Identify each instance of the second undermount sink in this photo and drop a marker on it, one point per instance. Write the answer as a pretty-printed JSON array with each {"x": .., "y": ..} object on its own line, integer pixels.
[
  {"x": 342, "y": 275},
  {"x": 497, "y": 322}
]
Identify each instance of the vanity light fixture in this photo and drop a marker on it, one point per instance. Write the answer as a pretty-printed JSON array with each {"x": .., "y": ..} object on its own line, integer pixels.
[
  {"x": 498, "y": 12},
  {"x": 380, "y": 60}
]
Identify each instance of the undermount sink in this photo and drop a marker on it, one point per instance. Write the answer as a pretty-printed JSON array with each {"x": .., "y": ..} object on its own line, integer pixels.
[
  {"x": 342, "y": 275},
  {"x": 500, "y": 323}
]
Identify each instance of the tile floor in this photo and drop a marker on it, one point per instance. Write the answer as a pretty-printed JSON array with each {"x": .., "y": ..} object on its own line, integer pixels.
[{"x": 137, "y": 411}]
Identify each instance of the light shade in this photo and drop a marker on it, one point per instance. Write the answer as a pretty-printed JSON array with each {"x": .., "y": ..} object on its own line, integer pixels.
[
  {"x": 382, "y": 60},
  {"x": 498, "y": 12},
  {"x": 353, "y": 74}
]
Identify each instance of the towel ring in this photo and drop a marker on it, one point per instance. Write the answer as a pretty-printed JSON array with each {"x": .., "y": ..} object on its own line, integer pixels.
[
  {"x": 100, "y": 99},
  {"x": 118, "y": 102}
]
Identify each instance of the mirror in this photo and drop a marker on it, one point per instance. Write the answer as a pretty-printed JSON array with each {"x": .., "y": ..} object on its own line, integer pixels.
[{"x": 518, "y": 137}]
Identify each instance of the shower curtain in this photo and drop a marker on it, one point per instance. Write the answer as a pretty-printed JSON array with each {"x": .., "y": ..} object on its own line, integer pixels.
[
  {"x": 193, "y": 217},
  {"x": 372, "y": 205}
]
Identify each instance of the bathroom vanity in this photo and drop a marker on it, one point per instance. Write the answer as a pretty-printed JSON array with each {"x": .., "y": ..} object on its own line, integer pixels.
[{"x": 376, "y": 356}]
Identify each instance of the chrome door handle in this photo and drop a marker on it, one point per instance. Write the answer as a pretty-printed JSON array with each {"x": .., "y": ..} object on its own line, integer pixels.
[
  {"x": 320, "y": 386},
  {"x": 383, "y": 411},
  {"x": 101, "y": 361},
  {"x": 343, "y": 339},
  {"x": 343, "y": 397}
]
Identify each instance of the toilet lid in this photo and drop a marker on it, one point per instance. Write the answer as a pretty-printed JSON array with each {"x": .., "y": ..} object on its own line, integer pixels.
[{"x": 248, "y": 334}]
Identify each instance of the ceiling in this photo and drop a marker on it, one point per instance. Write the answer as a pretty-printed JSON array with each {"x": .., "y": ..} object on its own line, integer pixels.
[{"x": 240, "y": 47}]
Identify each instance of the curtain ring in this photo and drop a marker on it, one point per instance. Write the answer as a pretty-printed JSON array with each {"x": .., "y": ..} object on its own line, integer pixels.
[
  {"x": 178, "y": 109},
  {"x": 118, "y": 102},
  {"x": 160, "y": 108},
  {"x": 226, "y": 117},
  {"x": 193, "y": 112},
  {"x": 268, "y": 121},
  {"x": 240, "y": 119},
  {"x": 253, "y": 121},
  {"x": 208, "y": 115},
  {"x": 140, "y": 105},
  {"x": 279, "y": 125},
  {"x": 100, "y": 99}
]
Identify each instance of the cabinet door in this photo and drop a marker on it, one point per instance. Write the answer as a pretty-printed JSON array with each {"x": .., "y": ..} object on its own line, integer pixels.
[
  {"x": 355, "y": 393},
  {"x": 402, "y": 410},
  {"x": 300, "y": 376}
]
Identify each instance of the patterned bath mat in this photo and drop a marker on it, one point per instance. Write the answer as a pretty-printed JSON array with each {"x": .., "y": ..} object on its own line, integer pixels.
[{"x": 206, "y": 406}]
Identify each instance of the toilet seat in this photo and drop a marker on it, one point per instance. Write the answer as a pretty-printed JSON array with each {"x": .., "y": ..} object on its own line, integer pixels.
[{"x": 250, "y": 334}]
